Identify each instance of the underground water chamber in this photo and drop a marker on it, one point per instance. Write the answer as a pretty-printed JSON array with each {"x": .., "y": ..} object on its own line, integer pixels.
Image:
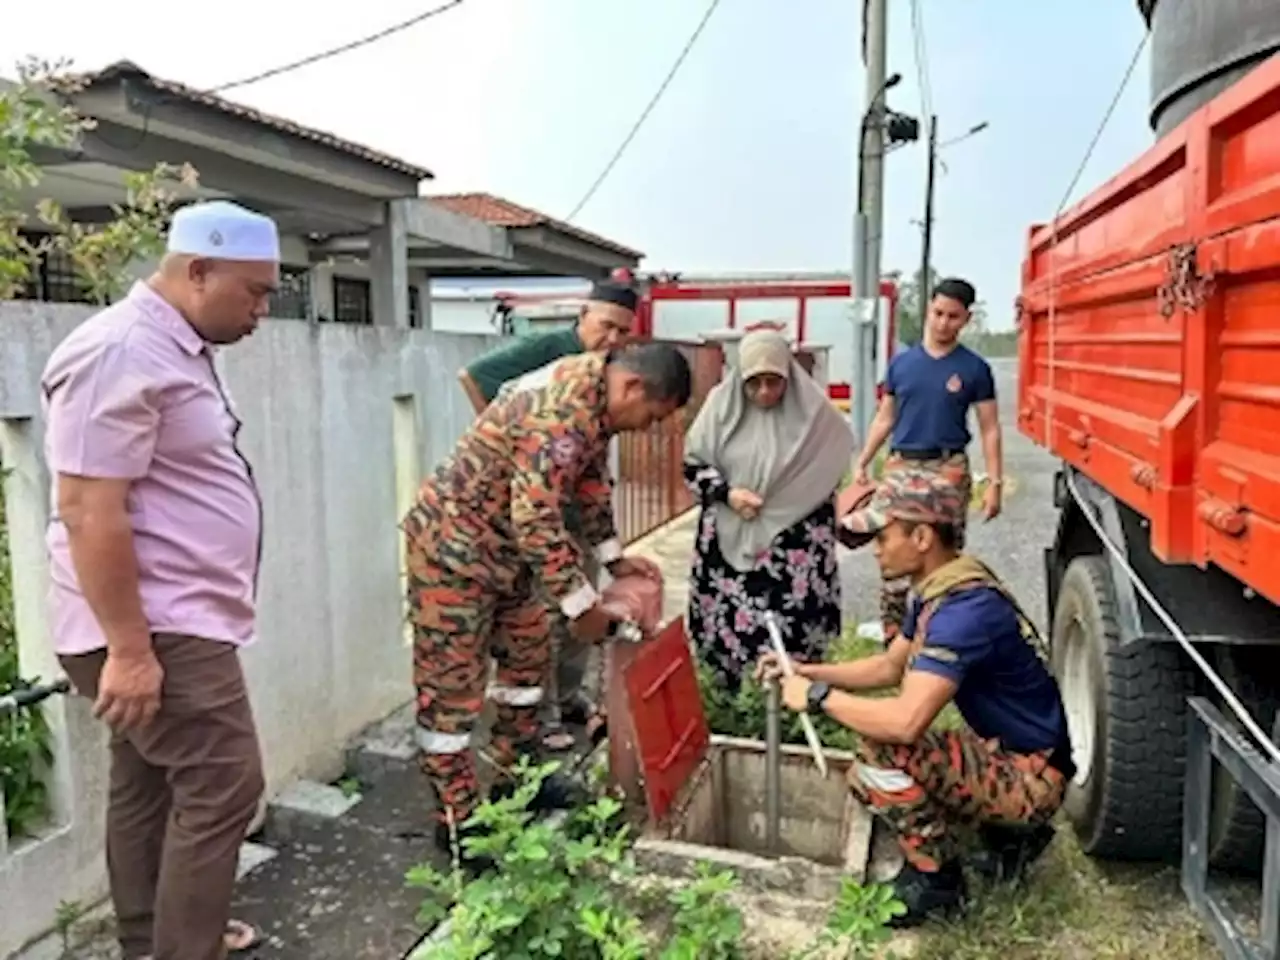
[{"x": 760, "y": 807}]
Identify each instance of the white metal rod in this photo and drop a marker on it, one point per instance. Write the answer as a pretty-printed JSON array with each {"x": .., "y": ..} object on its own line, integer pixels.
[{"x": 810, "y": 734}]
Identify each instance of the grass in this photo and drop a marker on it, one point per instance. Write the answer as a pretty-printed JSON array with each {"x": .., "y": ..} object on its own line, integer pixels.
[{"x": 1074, "y": 908}]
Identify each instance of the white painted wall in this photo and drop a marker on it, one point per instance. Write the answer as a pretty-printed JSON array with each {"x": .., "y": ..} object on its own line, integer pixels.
[{"x": 325, "y": 408}]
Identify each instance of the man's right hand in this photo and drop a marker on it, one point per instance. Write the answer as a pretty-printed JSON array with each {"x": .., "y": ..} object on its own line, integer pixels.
[
  {"x": 860, "y": 478},
  {"x": 593, "y": 626},
  {"x": 129, "y": 690},
  {"x": 745, "y": 503}
]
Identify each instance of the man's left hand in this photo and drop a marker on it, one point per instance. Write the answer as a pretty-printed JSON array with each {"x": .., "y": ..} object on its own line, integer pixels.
[
  {"x": 992, "y": 500},
  {"x": 635, "y": 567},
  {"x": 795, "y": 693}
]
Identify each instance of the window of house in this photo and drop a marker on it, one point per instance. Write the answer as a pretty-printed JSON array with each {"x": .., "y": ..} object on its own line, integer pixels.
[
  {"x": 415, "y": 307},
  {"x": 292, "y": 301},
  {"x": 53, "y": 278},
  {"x": 352, "y": 301}
]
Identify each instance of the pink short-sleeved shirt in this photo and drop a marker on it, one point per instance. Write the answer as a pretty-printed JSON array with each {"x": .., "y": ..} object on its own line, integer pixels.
[{"x": 133, "y": 393}]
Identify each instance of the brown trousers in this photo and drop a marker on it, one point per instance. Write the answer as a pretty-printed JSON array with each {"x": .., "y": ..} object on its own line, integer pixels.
[{"x": 183, "y": 791}]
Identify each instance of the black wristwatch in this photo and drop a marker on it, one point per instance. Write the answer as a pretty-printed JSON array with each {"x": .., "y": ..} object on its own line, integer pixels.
[{"x": 817, "y": 695}]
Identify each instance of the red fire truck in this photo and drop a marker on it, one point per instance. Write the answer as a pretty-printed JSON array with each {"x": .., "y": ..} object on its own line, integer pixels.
[{"x": 814, "y": 309}]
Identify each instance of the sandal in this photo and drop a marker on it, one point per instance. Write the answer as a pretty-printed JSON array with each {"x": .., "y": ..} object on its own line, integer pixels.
[
  {"x": 557, "y": 738},
  {"x": 240, "y": 936}
]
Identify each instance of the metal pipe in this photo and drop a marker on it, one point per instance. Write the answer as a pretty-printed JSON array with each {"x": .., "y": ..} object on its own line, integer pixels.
[{"x": 772, "y": 767}]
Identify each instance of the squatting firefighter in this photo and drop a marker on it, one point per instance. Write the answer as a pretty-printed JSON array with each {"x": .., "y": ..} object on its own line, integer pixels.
[
  {"x": 924, "y": 416},
  {"x": 964, "y": 640},
  {"x": 489, "y": 551},
  {"x": 604, "y": 323}
]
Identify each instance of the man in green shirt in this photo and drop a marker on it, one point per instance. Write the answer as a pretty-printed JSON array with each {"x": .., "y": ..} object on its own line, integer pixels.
[{"x": 604, "y": 324}]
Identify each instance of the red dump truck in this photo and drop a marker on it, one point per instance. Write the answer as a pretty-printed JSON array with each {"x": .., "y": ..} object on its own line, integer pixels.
[{"x": 1149, "y": 364}]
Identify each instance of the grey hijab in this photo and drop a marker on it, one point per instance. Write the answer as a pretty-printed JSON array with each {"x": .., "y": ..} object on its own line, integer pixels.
[{"x": 792, "y": 455}]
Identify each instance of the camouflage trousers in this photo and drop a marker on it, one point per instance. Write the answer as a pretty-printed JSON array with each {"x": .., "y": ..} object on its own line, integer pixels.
[
  {"x": 893, "y": 593},
  {"x": 471, "y": 605},
  {"x": 933, "y": 791}
]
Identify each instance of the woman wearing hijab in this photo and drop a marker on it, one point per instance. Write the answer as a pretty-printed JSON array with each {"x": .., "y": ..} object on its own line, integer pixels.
[{"x": 764, "y": 458}]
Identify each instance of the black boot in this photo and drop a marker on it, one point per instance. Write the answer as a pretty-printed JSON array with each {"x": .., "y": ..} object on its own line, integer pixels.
[
  {"x": 474, "y": 864},
  {"x": 928, "y": 895},
  {"x": 1008, "y": 850}
]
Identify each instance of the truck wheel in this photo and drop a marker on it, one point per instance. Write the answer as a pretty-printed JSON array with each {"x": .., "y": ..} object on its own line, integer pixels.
[
  {"x": 1237, "y": 828},
  {"x": 1126, "y": 710}
]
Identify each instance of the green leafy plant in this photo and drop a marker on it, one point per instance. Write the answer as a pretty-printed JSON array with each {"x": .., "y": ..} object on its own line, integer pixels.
[
  {"x": 706, "y": 925},
  {"x": 32, "y": 116},
  {"x": 25, "y": 754},
  {"x": 65, "y": 918},
  {"x": 102, "y": 253},
  {"x": 564, "y": 890},
  {"x": 857, "y": 925},
  {"x": 35, "y": 115}
]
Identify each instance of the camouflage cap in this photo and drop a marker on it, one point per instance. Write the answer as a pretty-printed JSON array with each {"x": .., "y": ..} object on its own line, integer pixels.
[{"x": 911, "y": 493}]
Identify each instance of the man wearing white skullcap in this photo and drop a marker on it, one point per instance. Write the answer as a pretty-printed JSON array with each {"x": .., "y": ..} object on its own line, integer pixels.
[{"x": 155, "y": 546}]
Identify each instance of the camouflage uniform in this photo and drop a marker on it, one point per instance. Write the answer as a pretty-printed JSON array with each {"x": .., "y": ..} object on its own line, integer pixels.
[
  {"x": 952, "y": 779},
  {"x": 954, "y": 469},
  {"x": 486, "y": 538},
  {"x": 570, "y": 671}
]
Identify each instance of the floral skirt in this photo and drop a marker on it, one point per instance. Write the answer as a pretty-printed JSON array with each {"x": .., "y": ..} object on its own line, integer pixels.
[{"x": 798, "y": 579}]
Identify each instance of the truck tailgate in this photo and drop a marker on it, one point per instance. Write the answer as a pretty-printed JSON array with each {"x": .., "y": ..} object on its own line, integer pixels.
[{"x": 1149, "y": 336}]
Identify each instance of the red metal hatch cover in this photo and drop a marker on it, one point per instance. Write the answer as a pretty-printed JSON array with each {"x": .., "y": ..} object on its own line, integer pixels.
[{"x": 670, "y": 727}]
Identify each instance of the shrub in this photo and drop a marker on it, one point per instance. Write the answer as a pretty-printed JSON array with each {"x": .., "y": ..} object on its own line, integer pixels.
[{"x": 25, "y": 754}]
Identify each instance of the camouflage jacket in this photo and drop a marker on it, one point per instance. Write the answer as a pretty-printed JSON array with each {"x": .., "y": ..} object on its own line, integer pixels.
[{"x": 527, "y": 456}]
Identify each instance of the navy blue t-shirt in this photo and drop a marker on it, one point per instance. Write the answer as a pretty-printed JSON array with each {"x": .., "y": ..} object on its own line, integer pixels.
[
  {"x": 1004, "y": 690},
  {"x": 932, "y": 397}
]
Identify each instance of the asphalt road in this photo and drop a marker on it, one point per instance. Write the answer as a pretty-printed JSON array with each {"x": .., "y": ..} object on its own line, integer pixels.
[{"x": 1012, "y": 544}]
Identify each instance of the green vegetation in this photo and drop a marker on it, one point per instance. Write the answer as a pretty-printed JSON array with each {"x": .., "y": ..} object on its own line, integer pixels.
[
  {"x": 34, "y": 114},
  {"x": 743, "y": 714},
  {"x": 25, "y": 754},
  {"x": 573, "y": 891},
  {"x": 1074, "y": 908}
]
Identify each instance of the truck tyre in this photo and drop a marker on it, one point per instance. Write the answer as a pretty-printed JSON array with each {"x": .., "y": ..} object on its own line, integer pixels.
[
  {"x": 1237, "y": 828},
  {"x": 1126, "y": 709}
]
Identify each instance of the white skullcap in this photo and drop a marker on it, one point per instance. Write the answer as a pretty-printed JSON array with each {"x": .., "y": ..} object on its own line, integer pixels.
[{"x": 221, "y": 230}]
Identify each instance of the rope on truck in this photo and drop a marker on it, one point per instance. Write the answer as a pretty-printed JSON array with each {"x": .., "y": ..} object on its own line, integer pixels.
[{"x": 1242, "y": 714}]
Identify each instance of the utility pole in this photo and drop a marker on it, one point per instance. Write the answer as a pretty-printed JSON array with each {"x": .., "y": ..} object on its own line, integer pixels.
[
  {"x": 868, "y": 229},
  {"x": 926, "y": 250}
]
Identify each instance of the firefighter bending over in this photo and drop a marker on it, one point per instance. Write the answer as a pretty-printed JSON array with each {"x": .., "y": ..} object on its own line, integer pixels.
[
  {"x": 488, "y": 552},
  {"x": 964, "y": 640}
]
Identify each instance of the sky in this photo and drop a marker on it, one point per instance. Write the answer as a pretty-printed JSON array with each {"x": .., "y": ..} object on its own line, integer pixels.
[{"x": 747, "y": 163}]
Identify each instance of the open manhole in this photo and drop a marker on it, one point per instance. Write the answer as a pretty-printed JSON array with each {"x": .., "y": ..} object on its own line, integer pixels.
[{"x": 708, "y": 796}]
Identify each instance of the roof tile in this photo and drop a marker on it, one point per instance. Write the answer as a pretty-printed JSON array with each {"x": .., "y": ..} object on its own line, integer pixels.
[
  {"x": 503, "y": 213},
  {"x": 125, "y": 69}
]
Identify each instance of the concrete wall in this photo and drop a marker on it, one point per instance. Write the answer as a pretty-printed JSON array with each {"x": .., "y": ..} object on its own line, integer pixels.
[{"x": 339, "y": 423}]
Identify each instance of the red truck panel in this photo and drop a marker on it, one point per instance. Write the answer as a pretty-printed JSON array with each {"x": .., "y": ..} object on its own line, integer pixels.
[{"x": 1149, "y": 336}]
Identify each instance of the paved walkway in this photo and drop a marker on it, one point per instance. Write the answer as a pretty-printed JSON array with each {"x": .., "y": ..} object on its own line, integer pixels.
[{"x": 671, "y": 548}]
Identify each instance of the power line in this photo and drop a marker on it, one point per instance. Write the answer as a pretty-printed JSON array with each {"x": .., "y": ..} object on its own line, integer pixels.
[
  {"x": 644, "y": 114},
  {"x": 921, "y": 53},
  {"x": 335, "y": 51}
]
